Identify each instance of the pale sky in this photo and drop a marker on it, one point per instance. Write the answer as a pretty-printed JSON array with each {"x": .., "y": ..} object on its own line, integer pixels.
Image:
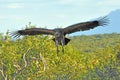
[{"x": 15, "y": 14}]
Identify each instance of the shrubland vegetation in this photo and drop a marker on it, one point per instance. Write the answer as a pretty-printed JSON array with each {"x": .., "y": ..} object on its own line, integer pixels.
[{"x": 93, "y": 57}]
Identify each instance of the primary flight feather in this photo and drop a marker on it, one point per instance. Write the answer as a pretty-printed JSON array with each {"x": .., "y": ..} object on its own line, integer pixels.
[{"x": 60, "y": 33}]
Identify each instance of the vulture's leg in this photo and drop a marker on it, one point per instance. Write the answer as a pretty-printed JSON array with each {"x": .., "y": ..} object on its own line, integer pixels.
[
  {"x": 57, "y": 46},
  {"x": 62, "y": 49},
  {"x": 63, "y": 43}
]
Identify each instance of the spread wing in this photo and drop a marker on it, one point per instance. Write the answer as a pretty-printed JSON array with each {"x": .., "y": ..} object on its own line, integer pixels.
[
  {"x": 86, "y": 25},
  {"x": 33, "y": 31}
]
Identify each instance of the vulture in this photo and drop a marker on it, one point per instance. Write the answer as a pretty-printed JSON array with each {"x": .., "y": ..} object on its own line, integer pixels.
[{"x": 60, "y": 33}]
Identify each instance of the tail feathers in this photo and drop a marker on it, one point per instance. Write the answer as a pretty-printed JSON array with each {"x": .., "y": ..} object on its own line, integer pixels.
[
  {"x": 66, "y": 40},
  {"x": 53, "y": 39}
]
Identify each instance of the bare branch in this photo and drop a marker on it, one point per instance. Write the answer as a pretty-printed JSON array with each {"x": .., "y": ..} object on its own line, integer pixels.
[
  {"x": 2, "y": 71},
  {"x": 21, "y": 69},
  {"x": 43, "y": 61},
  {"x": 25, "y": 65}
]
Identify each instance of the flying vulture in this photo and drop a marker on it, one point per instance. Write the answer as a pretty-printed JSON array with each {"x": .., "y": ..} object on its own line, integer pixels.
[{"x": 60, "y": 33}]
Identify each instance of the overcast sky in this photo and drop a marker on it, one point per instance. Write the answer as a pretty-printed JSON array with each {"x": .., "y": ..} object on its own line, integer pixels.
[{"x": 15, "y": 14}]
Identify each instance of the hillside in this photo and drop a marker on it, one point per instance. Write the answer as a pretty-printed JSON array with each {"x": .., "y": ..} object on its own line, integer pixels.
[
  {"x": 95, "y": 57},
  {"x": 87, "y": 44}
]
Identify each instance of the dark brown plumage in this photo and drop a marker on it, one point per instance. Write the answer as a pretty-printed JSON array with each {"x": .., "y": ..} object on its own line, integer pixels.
[{"x": 60, "y": 33}]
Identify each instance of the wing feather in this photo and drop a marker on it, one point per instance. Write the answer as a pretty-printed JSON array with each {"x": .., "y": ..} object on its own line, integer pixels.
[
  {"x": 32, "y": 31},
  {"x": 86, "y": 25}
]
